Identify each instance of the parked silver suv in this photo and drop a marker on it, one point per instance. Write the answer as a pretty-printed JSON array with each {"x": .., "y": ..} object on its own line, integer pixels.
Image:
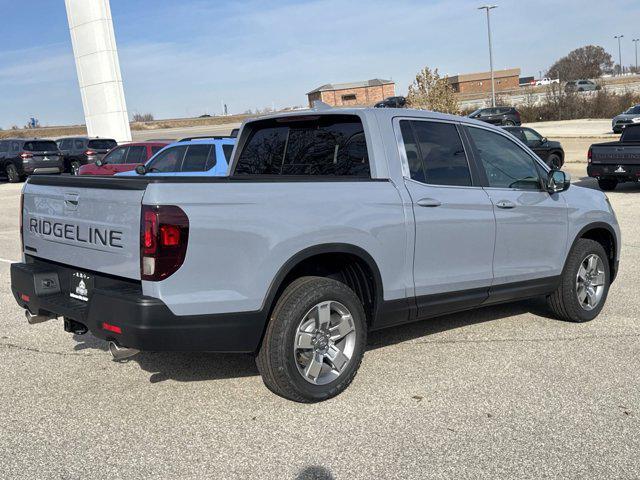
[{"x": 331, "y": 223}]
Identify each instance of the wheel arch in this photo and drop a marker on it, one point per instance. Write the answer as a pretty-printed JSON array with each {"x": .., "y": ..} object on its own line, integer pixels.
[
  {"x": 364, "y": 277},
  {"x": 605, "y": 235}
]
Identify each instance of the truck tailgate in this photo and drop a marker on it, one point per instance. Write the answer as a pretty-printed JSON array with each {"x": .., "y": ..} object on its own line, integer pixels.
[
  {"x": 628, "y": 154},
  {"x": 83, "y": 224}
]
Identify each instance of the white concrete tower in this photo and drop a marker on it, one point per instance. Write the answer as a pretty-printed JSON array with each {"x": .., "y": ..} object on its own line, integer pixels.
[{"x": 96, "y": 54}]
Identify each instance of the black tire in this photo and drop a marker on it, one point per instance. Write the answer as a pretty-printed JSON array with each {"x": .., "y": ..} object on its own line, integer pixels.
[
  {"x": 555, "y": 161},
  {"x": 564, "y": 301},
  {"x": 74, "y": 167},
  {"x": 509, "y": 123},
  {"x": 276, "y": 360},
  {"x": 12, "y": 173},
  {"x": 607, "y": 184}
]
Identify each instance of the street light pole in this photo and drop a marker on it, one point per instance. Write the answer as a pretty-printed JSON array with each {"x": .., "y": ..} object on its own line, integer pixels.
[
  {"x": 493, "y": 88},
  {"x": 636, "y": 40},
  {"x": 619, "y": 52}
]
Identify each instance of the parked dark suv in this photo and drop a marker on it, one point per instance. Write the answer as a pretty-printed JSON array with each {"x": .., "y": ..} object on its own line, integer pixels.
[
  {"x": 78, "y": 151},
  {"x": 549, "y": 151},
  {"x": 20, "y": 157},
  {"x": 506, "y": 116},
  {"x": 392, "y": 102}
]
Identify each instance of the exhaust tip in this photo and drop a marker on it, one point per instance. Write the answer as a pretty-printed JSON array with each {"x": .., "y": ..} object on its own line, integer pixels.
[
  {"x": 33, "y": 319},
  {"x": 121, "y": 353}
]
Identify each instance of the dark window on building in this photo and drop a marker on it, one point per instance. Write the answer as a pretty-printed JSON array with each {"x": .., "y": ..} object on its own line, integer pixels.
[
  {"x": 104, "y": 144},
  {"x": 228, "y": 150},
  {"x": 435, "y": 153},
  {"x": 329, "y": 145},
  {"x": 505, "y": 163},
  {"x": 349, "y": 98},
  {"x": 137, "y": 154}
]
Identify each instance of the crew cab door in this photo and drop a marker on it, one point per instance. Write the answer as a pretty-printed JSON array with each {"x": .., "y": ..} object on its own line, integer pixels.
[
  {"x": 454, "y": 221},
  {"x": 531, "y": 224}
]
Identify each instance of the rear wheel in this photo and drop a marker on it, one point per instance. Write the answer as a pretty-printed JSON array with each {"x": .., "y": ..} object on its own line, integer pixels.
[
  {"x": 509, "y": 123},
  {"x": 607, "y": 184},
  {"x": 555, "y": 161},
  {"x": 584, "y": 284},
  {"x": 314, "y": 342},
  {"x": 12, "y": 173}
]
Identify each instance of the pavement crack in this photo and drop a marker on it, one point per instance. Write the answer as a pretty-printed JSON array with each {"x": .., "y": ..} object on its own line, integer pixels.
[
  {"x": 532, "y": 340},
  {"x": 13, "y": 346}
]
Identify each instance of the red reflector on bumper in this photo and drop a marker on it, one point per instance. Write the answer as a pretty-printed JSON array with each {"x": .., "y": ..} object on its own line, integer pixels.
[
  {"x": 25, "y": 297},
  {"x": 111, "y": 328}
]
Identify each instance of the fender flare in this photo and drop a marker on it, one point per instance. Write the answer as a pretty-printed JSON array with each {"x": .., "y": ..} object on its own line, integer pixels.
[{"x": 599, "y": 225}]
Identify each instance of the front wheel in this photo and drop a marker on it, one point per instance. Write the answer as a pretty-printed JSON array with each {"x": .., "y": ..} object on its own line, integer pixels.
[
  {"x": 584, "y": 284},
  {"x": 314, "y": 342},
  {"x": 607, "y": 184},
  {"x": 555, "y": 161}
]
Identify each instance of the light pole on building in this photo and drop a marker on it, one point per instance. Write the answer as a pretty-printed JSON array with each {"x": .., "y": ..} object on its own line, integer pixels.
[
  {"x": 493, "y": 89},
  {"x": 619, "y": 51}
]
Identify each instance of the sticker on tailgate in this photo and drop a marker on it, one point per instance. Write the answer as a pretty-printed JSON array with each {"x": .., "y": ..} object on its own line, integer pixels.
[{"x": 81, "y": 286}]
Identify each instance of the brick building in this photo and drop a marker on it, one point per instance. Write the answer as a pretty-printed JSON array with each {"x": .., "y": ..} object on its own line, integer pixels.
[
  {"x": 481, "y": 82},
  {"x": 367, "y": 92}
]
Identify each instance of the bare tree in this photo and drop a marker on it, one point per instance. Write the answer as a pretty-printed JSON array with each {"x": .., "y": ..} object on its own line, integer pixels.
[
  {"x": 584, "y": 62},
  {"x": 143, "y": 117},
  {"x": 430, "y": 91}
]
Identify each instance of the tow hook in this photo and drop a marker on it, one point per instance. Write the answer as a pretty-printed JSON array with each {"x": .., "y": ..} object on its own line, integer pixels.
[
  {"x": 121, "y": 353},
  {"x": 33, "y": 319}
]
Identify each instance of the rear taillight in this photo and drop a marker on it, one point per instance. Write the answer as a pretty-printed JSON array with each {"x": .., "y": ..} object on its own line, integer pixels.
[
  {"x": 589, "y": 155},
  {"x": 89, "y": 153},
  {"x": 518, "y": 115},
  {"x": 26, "y": 155},
  {"x": 164, "y": 233}
]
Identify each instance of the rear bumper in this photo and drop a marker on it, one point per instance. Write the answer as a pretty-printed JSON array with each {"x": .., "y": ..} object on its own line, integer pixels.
[
  {"x": 145, "y": 323},
  {"x": 631, "y": 172}
]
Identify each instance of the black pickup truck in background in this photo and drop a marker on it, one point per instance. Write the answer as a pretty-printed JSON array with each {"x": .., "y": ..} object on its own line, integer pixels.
[{"x": 616, "y": 162}]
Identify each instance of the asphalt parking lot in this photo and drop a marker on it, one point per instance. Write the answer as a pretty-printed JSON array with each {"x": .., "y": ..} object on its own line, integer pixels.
[{"x": 503, "y": 392}]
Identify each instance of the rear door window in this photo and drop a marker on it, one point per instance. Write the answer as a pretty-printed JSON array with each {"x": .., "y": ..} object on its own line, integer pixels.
[
  {"x": 137, "y": 154},
  {"x": 78, "y": 144},
  {"x": 196, "y": 158},
  {"x": 328, "y": 145},
  {"x": 435, "y": 153},
  {"x": 170, "y": 160},
  {"x": 155, "y": 149},
  {"x": 4, "y": 146}
]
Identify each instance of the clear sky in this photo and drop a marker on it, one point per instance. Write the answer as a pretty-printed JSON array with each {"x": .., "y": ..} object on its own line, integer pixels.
[{"x": 182, "y": 58}]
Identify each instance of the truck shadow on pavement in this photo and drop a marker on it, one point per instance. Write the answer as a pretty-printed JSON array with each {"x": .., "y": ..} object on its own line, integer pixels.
[{"x": 203, "y": 366}]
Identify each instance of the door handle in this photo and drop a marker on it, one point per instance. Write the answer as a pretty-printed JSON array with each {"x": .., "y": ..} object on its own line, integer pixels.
[
  {"x": 505, "y": 204},
  {"x": 429, "y": 202}
]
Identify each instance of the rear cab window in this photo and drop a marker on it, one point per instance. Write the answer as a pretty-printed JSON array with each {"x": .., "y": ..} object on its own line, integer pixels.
[
  {"x": 324, "y": 145},
  {"x": 630, "y": 134}
]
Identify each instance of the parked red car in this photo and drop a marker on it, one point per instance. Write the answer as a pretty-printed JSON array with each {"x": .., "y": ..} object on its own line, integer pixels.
[{"x": 123, "y": 158}]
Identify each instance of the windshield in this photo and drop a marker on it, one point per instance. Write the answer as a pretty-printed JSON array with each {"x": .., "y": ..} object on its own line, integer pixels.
[{"x": 633, "y": 110}]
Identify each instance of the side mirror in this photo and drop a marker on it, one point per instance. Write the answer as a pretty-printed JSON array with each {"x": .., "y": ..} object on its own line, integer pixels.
[
  {"x": 558, "y": 181},
  {"x": 100, "y": 163},
  {"x": 544, "y": 140},
  {"x": 141, "y": 170}
]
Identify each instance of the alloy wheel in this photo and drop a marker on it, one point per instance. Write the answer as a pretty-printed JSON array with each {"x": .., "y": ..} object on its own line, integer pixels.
[{"x": 590, "y": 282}]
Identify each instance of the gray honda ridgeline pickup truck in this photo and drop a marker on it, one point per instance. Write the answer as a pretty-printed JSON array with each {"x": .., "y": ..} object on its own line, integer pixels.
[{"x": 331, "y": 223}]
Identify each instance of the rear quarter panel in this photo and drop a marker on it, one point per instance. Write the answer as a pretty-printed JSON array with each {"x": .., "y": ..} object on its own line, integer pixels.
[{"x": 242, "y": 233}]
